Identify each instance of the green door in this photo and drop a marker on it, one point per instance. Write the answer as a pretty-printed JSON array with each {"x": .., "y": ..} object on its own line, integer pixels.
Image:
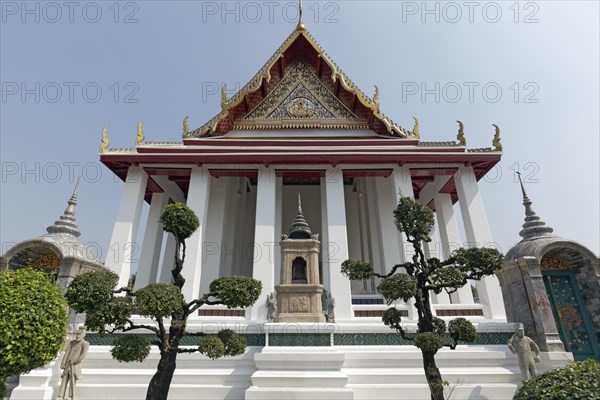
[{"x": 571, "y": 315}]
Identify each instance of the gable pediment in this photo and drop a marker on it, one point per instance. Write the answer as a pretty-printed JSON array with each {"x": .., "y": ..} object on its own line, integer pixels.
[
  {"x": 300, "y": 100},
  {"x": 300, "y": 87}
]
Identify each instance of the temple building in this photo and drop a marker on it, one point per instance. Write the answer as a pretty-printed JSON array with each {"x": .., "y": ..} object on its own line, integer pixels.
[
  {"x": 299, "y": 172},
  {"x": 301, "y": 126}
]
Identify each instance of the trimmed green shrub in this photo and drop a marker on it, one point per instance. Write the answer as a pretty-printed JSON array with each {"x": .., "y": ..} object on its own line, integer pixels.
[
  {"x": 577, "y": 381},
  {"x": 180, "y": 220},
  {"x": 236, "y": 291},
  {"x": 33, "y": 321},
  {"x": 130, "y": 348}
]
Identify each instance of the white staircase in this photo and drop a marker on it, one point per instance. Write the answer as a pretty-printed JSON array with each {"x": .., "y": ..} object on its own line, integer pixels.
[
  {"x": 299, "y": 373},
  {"x": 488, "y": 372}
]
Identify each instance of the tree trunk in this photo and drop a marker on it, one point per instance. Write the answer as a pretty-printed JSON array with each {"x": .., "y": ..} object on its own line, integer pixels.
[
  {"x": 161, "y": 381},
  {"x": 432, "y": 373}
]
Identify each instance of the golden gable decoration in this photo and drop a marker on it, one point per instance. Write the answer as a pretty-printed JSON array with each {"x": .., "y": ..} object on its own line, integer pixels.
[{"x": 300, "y": 100}]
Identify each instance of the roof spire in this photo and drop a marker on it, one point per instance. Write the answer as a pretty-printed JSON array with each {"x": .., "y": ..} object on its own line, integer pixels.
[
  {"x": 66, "y": 224},
  {"x": 533, "y": 226},
  {"x": 300, "y": 228},
  {"x": 300, "y": 25}
]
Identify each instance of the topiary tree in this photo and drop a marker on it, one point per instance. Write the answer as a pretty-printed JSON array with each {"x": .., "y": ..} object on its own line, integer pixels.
[
  {"x": 577, "y": 381},
  {"x": 421, "y": 276},
  {"x": 93, "y": 293},
  {"x": 33, "y": 321}
]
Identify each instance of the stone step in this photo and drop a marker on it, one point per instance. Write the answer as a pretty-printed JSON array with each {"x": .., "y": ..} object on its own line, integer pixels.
[
  {"x": 299, "y": 379},
  {"x": 176, "y": 392},
  {"x": 411, "y": 357},
  {"x": 421, "y": 391},
  {"x": 325, "y": 359},
  {"x": 416, "y": 375},
  {"x": 216, "y": 376},
  {"x": 255, "y": 393}
]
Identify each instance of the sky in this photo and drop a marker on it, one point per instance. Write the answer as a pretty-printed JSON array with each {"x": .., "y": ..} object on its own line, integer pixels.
[{"x": 67, "y": 69}]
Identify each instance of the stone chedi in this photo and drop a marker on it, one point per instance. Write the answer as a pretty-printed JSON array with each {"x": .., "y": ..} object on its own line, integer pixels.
[
  {"x": 299, "y": 294},
  {"x": 551, "y": 285},
  {"x": 60, "y": 249}
]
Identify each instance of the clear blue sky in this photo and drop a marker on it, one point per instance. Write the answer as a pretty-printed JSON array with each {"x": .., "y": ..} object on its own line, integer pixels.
[{"x": 158, "y": 61}]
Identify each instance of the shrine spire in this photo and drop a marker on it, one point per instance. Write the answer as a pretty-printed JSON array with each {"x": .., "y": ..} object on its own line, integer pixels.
[
  {"x": 533, "y": 226},
  {"x": 66, "y": 224},
  {"x": 300, "y": 228}
]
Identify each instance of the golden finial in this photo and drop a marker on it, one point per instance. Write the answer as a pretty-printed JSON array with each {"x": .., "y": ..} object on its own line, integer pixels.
[
  {"x": 186, "y": 129},
  {"x": 140, "y": 134},
  {"x": 376, "y": 96},
  {"x": 462, "y": 141},
  {"x": 376, "y": 100},
  {"x": 416, "y": 129},
  {"x": 104, "y": 144},
  {"x": 496, "y": 141},
  {"x": 300, "y": 25},
  {"x": 224, "y": 96}
]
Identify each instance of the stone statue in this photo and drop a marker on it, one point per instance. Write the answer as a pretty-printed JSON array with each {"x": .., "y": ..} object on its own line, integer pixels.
[
  {"x": 271, "y": 307},
  {"x": 330, "y": 308},
  {"x": 522, "y": 346},
  {"x": 74, "y": 353},
  {"x": 324, "y": 301}
]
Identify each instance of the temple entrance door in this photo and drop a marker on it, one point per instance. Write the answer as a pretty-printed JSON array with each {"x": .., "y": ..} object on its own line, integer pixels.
[{"x": 571, "y": 316}]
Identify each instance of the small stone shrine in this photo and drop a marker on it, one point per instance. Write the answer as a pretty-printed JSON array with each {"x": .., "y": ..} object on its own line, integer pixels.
[
  {"x": 551, "y": 285},
  {"x": 299, "y": 294}
]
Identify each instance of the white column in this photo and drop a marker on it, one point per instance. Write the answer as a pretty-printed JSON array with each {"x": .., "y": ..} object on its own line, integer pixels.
[
  {"x": 324, "y": 236},
  {"x": 148, "y": 265},
  {"x": 478, "y": 234},
  {"x": 352, "y": 211},
  {"x": 278, "y": 228},
  {"x": 362, "y": 214},
  {"x": 337, "y": 236},
  {"x": 243, "y": 214},
  {"x": 264, "y": 238},
  {"x": 198, "y": 199},
  {"x": 402, "y": 183},
  {"x": 168, "y": 261},
  {"x": 450, "y": 238},
  {"x": 227, "y": 249},
  {"x": 123, "y": 240},
  {"x": 403, "y": 187},
  {"x": 373, "y": 238},
  {"x": 211, "y": 259},
  {"x": 389, "y": 234}
]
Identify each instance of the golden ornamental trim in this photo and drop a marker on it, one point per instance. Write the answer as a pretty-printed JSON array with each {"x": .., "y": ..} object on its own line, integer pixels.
[
  {"x": 140, "y": 135},
  {"x": 104, "y": 141},
  {"x": 462, "y": 141},
  {"x": 496, "y": 141},
  {"x": 264, "y": 74},
  {"x": 555, "y": 263}
]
